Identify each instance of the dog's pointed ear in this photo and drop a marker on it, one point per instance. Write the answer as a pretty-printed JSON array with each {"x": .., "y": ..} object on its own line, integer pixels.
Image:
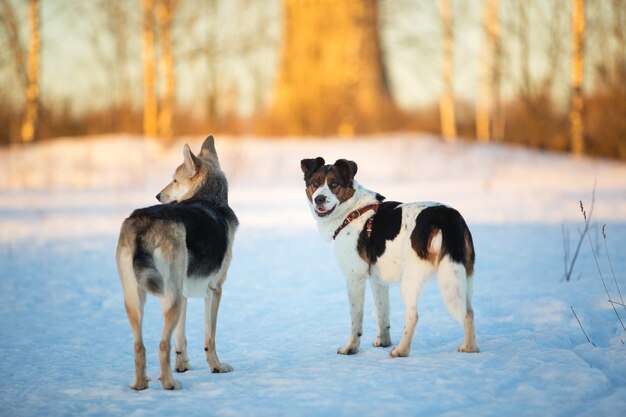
[
  {"x": 309, "y": 166},
  {"x": 208, "y": 148},
  {"x": 346, "y": 168},
  {"x": 191, "y": 162}
]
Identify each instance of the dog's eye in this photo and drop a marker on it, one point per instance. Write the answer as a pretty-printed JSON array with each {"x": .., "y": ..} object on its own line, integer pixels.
[
  {"x": 334, "y": 185},
  {"x": 315, "y": 184},
  {"x": 174, "y": 181}
]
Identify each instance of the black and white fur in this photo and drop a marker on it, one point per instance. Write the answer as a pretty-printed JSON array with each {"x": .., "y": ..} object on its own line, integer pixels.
[
  {"x": 409, "y": 243},
  {"x": 175, "y": 250}
]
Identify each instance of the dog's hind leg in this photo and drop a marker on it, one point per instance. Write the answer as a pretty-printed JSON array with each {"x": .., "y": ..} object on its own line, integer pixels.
[
  {"x": 380, "y": 293},
  {"x": 456, "y": 290},
  {"x": 134, "y": 300},
  {"x": 469, "y": 342},
  {"x": 171, "y": 314},
  {"x": 453, "y": 286},
  {"x": 211, "y": 308},
  {"x": 182, "y": 360}
]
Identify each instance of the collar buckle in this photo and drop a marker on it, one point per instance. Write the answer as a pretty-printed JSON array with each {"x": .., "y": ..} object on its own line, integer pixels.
[{"x": 356, "y": 214}]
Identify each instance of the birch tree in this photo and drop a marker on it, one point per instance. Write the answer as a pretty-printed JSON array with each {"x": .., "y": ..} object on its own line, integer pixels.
[
  {"x": 14, "y": 58},
  {"x": 31, "y": 111},
  {"x": 332, "y": 79},
  {"x": 522, "y": 33},
  {"x": 487, "y": 107},
  {"x": 166, "y": 59},
  {"x": 118, "y": 25},
  {"x": 211, "y": 59},
  {"x": 26, "y": 62},
  {"x": 14, "y": 41},
  {"x": 446, "y": 102},
  {"x": 577, "y": 140},
  {"x": 149, "y": 70}
]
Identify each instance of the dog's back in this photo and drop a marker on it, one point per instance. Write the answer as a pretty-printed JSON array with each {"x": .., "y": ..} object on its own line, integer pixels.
[{"x": 197, "y": 227}]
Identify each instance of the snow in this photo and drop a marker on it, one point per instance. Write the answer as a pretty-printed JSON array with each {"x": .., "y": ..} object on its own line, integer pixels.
[{"x": 67, "y": 346}]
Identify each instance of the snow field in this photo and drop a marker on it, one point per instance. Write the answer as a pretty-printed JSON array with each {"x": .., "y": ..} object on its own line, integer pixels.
[{"x": 67, "y": 345}]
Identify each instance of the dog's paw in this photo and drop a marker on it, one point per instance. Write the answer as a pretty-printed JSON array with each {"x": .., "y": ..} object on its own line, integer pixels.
[
  {"x": 348, "y": 350},
  {"x": 469, "y": 349},
  {"x": 140, "y": 385},
  {"x": 182, "y": 362},
  {"x": 170, "y": 384},
  {"x": 222, "y": 368},
  {"x": 174, "y": 385},
  {"x": 382, "y": 341},
  {"x": 399, "y": 353}
]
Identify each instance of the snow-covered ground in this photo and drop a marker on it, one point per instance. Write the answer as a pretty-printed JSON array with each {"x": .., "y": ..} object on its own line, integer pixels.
[{"x": 67, "y": 347}]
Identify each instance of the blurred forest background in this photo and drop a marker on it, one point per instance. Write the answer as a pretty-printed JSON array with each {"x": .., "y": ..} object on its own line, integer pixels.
[{"x": 547, "y": 74}]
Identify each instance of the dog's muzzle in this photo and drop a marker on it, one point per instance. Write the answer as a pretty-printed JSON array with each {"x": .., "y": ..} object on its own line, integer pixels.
[{"x": 319, "y": 203}]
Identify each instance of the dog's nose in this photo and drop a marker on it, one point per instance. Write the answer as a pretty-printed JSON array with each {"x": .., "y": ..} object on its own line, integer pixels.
[
  {"x": 320, "y": 199},
  {"x": 158, "y": 196}
]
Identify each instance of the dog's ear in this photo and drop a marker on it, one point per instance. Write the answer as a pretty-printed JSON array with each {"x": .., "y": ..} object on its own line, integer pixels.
[
  {"x": 309, "y": 166},
  {"x": 347, "y": 169},
  {"x": 208, "y": 148},
  {"x": 191, "y": 162}
]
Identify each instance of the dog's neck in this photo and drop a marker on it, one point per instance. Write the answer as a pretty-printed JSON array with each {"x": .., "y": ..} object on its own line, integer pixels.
[
  {"x": 362, "y": 197},
  {"x": 214, "y": 188}
]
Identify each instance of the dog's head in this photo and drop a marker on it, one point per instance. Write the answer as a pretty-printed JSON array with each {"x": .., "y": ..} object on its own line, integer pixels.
[
  {"x": 191, "y": 176},
  {"x": 328, "y": 186}
]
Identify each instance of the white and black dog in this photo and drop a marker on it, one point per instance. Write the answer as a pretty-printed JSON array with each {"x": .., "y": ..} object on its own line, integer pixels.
[
  {"x": 175, "y": 250},
  {"x": 389, "y": 242}
]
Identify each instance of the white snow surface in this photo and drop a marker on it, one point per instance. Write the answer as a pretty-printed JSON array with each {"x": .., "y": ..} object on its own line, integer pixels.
[{"x": 67, "y": 347}]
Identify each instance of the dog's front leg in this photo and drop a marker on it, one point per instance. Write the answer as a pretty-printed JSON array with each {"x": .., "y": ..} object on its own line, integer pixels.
[
  {"x": 380, "y": 293},
  {"x": 356, "y": 295},
  {"x": 410, "y": 287},
  {"x": 211, "y": 307}
]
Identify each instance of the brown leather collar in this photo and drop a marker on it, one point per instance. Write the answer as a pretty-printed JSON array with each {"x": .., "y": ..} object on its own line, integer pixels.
[{"x": 354, "y": 215}]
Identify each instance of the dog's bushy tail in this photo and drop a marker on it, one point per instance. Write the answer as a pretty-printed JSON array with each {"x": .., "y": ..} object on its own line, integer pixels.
[{"x": 145, "y": 270}]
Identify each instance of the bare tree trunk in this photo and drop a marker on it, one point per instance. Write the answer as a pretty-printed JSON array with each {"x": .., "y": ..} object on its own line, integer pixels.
[
  {"x": 211, "y": 60},
  {"x": 577, "y": 104},
  {"x": 332, "y": 78},
  {"x": 555, "y": 45},
  {"x": 149, "y": 71},
  {"x": 498, "y": 121},
  {"x": 522, "y": 33},
  {"x": 484, "y": 92},
  {"x": 487, "y": 98},
  {"x": 31, "y": 111},
  {"x": 14, "y": 41},
  {"x": 165, "y": 116},
  {"x": 619, "y": 32},
  {"x": 446, "y": 102},
  {"x": 117, "y": 23}
]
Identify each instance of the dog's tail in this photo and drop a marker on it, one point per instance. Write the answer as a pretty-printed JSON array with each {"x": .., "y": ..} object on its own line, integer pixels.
[{"x": 146, "y": 273}]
